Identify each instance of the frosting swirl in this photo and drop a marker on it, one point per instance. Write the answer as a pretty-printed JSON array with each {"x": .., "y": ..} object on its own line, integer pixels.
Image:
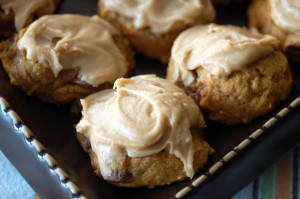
[
  {"x": 218, "y": 49},
  {"x": 73, "y": 41},
  {"x": 23, "y": 9},
  {"x": 142, "y": 116},
  {"x": 286, "y": 14},
  {"x": 162, "y": 16}
]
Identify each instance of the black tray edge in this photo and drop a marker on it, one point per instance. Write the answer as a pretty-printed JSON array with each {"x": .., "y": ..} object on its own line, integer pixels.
[
  {"x": 14, "y": 125},
  {"x": 237, "y": 149}
]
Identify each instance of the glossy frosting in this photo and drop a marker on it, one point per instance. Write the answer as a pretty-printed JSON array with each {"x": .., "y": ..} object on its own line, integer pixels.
[
  {"x": 218, "y": 49},
  {"x": 286, "y": 14},
  {"x": 141, "y": 116},
  {"x": 70, "y": 41},
  {"x": 24, "y": 9},
  {"x": 162, "y": 16}
]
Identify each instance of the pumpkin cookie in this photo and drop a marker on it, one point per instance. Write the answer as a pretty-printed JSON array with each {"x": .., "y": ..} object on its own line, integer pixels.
[
  {"x": 234, "y": 74},
  {"x": 145, "y": 132},
  {"x": 280, "y": 18},
  {"x": 16, "y": 14},
  {"x": 151, "y": 26},
  {"x": 61, "y": 58}
]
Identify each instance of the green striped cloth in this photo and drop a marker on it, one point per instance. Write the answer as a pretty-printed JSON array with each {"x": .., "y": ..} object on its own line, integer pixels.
[{"x": 281, "y": 181}]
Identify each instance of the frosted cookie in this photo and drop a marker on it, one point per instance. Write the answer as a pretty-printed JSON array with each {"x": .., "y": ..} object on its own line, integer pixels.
[
  {"x": 152, "y": 25},
  {"x": 144, "y": 132},
  {"x": 234, "y": 74},
  {"x": 61, "y": 58},
  {"x": 16, "y": 14},
  {"x": 280, "y": 18}
]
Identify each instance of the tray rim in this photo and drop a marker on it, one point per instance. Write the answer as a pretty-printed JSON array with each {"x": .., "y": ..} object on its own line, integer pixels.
[
  {"x": 52, "y": 164},
  {"x": 65, "y": 179}
]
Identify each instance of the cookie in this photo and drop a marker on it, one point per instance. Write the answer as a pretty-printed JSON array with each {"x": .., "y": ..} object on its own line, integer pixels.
[
  {"x": 16, "y": 14},
  {"x": 151, "y": 26},
  {"x": 234, "y": 74},
  {"x": 144, "y": 132},
  {"x": 280, "y": 19},
  {"x": 61, "y": 58}
]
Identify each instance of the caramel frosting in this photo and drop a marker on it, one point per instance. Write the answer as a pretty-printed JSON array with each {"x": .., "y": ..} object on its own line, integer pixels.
[
  {"x": 24, "y": 9},
  {"x": 72, "y": 41},
  {"x": 141, "y": 116},
  {"x": 162, "y": 16},
  {"x": 218, "y": 49},
  {"x": 286, "y": 14}
]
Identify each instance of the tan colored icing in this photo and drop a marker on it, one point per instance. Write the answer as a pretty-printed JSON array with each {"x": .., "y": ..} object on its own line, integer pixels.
[
  {"x": 286, "y": 14},
  {"x": 24, "y": 9},
  {"x": 70, "y": 41},
  {"x": 218, "y": 49},
  {"x": 162, "y": 16},
  {"x": 142, "y": 116}
]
